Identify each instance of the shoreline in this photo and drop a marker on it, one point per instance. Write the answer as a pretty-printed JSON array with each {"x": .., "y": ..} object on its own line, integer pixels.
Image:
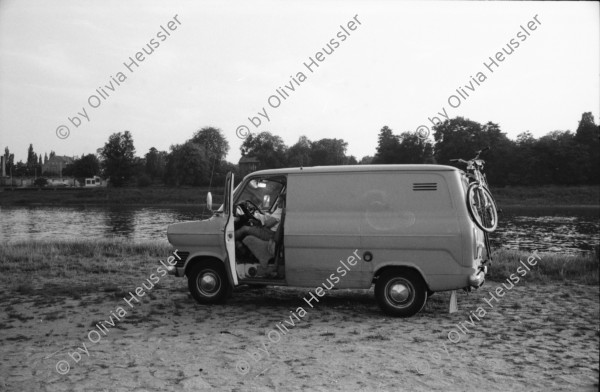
[
  {"x": 510, "y": 197},
  {"x": 201, "y": 205},
  {"x": 38, "y": 255}
]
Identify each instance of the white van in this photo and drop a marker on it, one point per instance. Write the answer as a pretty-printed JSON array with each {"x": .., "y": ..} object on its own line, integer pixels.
[{"x": 404, "y": 228}]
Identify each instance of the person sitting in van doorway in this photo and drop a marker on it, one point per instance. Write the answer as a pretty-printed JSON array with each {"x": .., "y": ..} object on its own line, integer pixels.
[{"x": 270, "y": 224}]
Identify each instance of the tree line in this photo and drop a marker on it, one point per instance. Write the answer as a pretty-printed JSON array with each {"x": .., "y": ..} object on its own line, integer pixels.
[{"x": 559, "y": 157}]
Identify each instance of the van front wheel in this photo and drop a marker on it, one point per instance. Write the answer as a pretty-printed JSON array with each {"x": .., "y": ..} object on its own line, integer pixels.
[
  {"x": 401, "y": 293},
  {"x": 208, "y": 283}
]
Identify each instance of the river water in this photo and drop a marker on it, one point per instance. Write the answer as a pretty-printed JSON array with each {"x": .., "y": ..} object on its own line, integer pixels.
[{"x": 560, "y": 230}]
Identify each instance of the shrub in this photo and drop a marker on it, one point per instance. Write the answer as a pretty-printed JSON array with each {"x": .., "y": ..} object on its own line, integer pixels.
[
  {"x": 41, "y": 182},
  {"x": 144, "y": 180}
]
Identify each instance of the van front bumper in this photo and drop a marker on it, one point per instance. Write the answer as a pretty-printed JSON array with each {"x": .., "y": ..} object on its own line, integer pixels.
[{"x": 477, "y": 279}]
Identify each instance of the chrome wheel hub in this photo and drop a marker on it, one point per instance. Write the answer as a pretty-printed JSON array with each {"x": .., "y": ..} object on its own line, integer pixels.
[
  {"x": 399, "y": 292},
  {"x": 208, "y": 284}
]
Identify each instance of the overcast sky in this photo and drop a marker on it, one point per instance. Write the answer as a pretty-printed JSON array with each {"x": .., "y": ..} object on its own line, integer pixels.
[{"x": 224, "y": 60}]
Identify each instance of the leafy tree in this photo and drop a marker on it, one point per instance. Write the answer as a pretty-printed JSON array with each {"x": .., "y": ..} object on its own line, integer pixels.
[
  {"x": 9, "y": 160},
  {"x": 588, "y": 138},
  {"x": 41, "y": 182},
  {"x": 350, "y": 160},
  {"x": 322, "y": 152},
  {"x": 560, "y": 159},
  {"x": 500, "y": 159},
  {"x": 524, "y": 161},
  {"x": 144, "y": 180},
  {"x": 216, "y": 148},
  {"x": 118, "y": 158},
  {"x": 156, "y": 162},
  {"x": 403, "y": 148},
  {"x": 414, "y": 150},
  {"x": 85, "y": 167},
  {"x": 366, "y": 160},
  {"x": 187, "y": 164},
  {"x": 457, "y": 138},
  {"x": 226, "y": 167},
  {"x": 267, "y": 148},
  {"x": 299, "y": 154},
  {"x": 461, "y": 138},
  {"x": 387, "y": 147},
  {"x": 31, "y": 156},
  {"x": 525, "y": 138},
  {"x": 139, "y": 169},
  {"x": 327, "y": 152},
  {"x": 213, "y": 142},
  {"x": 20, "y": 169}
]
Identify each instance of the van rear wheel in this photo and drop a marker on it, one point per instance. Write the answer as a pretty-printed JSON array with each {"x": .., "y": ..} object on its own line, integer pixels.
[
  {"x": 208, "y": 283},
  {"x": 401, "y": 293}
]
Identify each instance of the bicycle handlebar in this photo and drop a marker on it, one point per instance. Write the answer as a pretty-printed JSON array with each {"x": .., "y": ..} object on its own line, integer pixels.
[
  {"x": 476, "y": 156},
  {"x": 480, "y": 151}
]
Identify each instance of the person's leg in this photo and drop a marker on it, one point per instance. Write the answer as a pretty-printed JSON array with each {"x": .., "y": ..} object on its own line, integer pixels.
[
  {"x": 260, "y": 232},
  {"x": 241, "y": 233}
]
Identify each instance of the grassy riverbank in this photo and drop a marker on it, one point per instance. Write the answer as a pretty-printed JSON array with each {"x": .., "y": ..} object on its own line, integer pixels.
[
  {"x": 548, "y": 196},
  {"x": 110, "y": 196},
  {"x": 105, "y": 263},
  {"x": 509, "y": 196}
]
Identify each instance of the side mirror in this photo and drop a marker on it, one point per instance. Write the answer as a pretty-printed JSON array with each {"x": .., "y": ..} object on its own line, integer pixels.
[
  {"x": 267, "y": 202},
  {"x": 209, "y": 201}
]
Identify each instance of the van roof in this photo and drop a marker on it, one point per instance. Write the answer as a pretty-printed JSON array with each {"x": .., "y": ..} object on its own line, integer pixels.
[{"x": 355, "y": 168}]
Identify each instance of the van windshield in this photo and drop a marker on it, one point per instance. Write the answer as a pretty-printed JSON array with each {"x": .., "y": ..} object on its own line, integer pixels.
[{"x": 263, "y": 192}]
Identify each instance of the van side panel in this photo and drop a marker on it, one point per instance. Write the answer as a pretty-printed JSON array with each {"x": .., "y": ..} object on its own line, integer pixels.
[
  {"x": 410, "y": 219},
  {"x": 322, "y": 227},
  {"x": 405, "y": 218}
]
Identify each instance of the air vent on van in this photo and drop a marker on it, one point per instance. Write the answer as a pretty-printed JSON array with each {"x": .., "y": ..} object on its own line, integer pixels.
[{"x": 425, "y": 186}]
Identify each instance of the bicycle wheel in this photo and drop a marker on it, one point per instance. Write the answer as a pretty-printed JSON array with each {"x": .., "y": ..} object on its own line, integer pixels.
[{"x": 482, "y": 207}]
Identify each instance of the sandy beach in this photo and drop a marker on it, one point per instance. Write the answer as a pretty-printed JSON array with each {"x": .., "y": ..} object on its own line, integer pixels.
[{"x": 536, "y": 337}]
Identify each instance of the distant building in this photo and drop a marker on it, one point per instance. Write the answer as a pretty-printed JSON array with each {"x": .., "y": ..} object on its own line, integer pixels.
[
  {"x": 248, "y": 165},
  {"x": 55, "y": 165},
  {"x": 94, "y": 181}
]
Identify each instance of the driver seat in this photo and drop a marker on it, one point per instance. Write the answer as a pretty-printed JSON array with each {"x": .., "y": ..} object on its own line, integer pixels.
[{"x": 264, "y": 251}]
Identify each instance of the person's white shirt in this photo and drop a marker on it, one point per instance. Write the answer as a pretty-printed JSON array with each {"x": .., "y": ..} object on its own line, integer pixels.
[{"x": 270, "y": 221}]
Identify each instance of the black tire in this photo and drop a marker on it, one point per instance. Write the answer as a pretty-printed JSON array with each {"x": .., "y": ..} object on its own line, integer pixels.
[
  {"x": 482, "y": 207},
  {"x": 208, "y": 283},
  {"x": 401, "y": 293}
]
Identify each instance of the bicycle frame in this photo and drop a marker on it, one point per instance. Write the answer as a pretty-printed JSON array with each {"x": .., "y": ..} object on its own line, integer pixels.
[{"x": 475, "y": 174}]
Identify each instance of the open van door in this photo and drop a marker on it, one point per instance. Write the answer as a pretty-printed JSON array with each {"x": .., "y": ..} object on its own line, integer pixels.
[{"x": 229, "y": 232}]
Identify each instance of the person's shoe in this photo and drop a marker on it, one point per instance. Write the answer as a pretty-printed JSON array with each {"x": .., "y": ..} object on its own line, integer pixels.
[
  {"x": 262, "y": 272},
  {"x": 266, "y": 272},
  {"x": 272, "y": 271}
]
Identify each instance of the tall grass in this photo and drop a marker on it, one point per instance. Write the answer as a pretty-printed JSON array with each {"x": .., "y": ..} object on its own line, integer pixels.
[
  {"x": 581, "y": 268},
  {"x": 94, "y": 258},
  {"x": 35, "y": 263}
]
